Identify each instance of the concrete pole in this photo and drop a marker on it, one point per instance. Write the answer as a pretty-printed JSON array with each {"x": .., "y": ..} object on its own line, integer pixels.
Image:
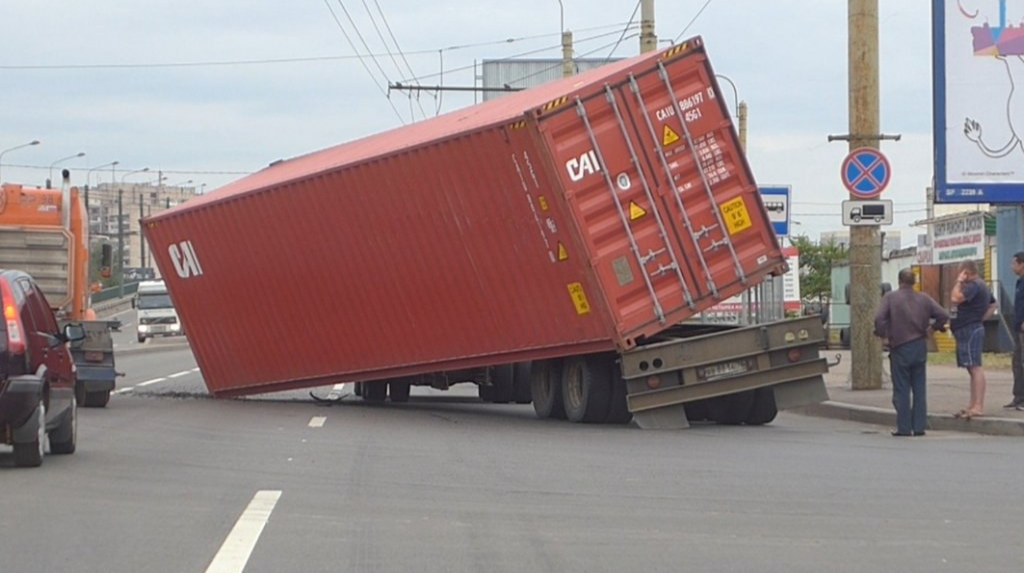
[
  {"x": 742, "y": 113},
  {"x": 865, "y": 242},
  {"x": 568, "y": 69},
  {"x": 648, "y": 40}
]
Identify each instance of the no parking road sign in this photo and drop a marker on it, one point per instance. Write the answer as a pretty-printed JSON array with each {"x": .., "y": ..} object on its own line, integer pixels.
[{"x": 865, "y": 172}]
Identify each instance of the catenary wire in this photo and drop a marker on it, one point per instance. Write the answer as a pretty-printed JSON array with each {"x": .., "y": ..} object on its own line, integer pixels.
[
  {"x": 694, "y": 19},
  {"x": 394, "y": 40},
  {"x": 624, "y": 30},
  {"x": 362, "y": 61}
]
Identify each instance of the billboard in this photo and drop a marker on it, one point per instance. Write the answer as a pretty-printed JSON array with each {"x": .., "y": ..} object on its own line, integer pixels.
[{"x": 978, "y": 58}]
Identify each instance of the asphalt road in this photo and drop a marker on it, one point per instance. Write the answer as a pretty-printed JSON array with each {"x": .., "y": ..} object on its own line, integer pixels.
[{"x": 163, "y": 476}]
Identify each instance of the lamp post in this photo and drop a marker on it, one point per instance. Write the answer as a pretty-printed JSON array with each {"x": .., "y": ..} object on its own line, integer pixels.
[
  {"x": 88, "y": 174},
  {"x": 740, "y": 108},
  {"x": 120, "y": 229},
  {"x": 29, "y": 144},
  {"x": 61, "y": 160},
  {"x": 181, "y": 183},
  {"x": 567, "y": 67}
]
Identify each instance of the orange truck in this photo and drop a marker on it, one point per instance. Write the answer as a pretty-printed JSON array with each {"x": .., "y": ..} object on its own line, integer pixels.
[{"x": 44, "y": 232}]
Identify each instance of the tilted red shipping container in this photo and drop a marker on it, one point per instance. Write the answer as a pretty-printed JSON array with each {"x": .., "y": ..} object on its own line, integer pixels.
[{"x": 581, "y": 216}]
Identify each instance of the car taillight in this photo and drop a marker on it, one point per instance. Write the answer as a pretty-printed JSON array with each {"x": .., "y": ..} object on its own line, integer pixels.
[{"x": 15, "y": 339}]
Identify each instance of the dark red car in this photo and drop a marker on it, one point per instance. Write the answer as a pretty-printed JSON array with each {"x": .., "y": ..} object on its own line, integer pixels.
[{"x": 37, "y": 375}]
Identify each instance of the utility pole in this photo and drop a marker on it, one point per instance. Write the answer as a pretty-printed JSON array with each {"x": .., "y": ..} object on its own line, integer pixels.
[
  {"x": 120, "y": 243},
  {"x": 648, "y": 40},
  {"x": 567, "y": 66},
  {"x": 865, "y": 241}
]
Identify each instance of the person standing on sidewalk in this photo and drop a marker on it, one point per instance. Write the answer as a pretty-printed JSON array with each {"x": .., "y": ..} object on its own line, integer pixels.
[
  {"x": 1018, "y": 334},
  {"x": 904, "y": 318},
  {"x": 973, "y": 304}
]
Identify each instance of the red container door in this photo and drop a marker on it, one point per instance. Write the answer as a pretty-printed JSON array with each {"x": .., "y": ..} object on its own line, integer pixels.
[{"x": 663, "y": 198}]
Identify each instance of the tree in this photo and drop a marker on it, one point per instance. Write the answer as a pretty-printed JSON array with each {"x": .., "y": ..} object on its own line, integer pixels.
[{"x": 816, "y": 262}]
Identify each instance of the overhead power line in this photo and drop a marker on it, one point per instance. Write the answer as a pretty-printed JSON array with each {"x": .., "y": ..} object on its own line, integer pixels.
[
  {"x": 624, "y": 30},
  {"x": 273, "y": 61}
]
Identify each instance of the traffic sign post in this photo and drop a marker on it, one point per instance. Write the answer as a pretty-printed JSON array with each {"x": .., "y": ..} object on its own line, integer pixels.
[{"x": 865, "y": 173}]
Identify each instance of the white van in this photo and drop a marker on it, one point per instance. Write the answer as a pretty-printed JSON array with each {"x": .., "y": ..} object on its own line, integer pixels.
[{"x": 156, "y": 313}]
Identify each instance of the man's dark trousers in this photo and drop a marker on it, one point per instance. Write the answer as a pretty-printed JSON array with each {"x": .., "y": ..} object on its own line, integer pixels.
[
  {"x": 907, "y": 362},
  {"x": 1018, "y": 367}
]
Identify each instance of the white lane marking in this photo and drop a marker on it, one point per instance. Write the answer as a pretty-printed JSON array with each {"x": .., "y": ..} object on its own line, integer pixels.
[
  {"x": 237, "y": 548},
  {"x": 180, "y": 374},
  {"x": 194, "y": 370},
  {"x": 317, "y": 421},
  {"x": 124, "y": 390},
  {"x": 153, "y": 381}
]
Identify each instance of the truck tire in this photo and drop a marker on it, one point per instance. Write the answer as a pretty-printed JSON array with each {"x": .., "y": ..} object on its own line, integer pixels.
[
  {"x": 142, "y": 339},
  {"x": 64, "y": 437},
  {"x": 357, "y": 388},
  {"x": 732, "y": 409},
  {"x": 398, "y": 390},
  {"x": 546, "y": 389},
  {"x": 375, "y": 391},
  {"x": 765, "y": 409},
  {"x": 97, "y": 399},
  {"x": 30, "y": 454},
  {"x": 586, "y": 389},
  {"x": 618, "y": 407},
  {"x": 521, "y": 383},
  {"x": 502, "y": 383},
  {"x": 697, "y": 410}
]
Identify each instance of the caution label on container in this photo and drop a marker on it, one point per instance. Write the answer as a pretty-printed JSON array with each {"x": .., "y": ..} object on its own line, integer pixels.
[
  {"x": 579, "y": 298},
  {"x": 736, "y": 216},
  {"x": 636, "y": 211},
  {"x": 563, "y": 254},
  {"x": 669, "y": 137}
]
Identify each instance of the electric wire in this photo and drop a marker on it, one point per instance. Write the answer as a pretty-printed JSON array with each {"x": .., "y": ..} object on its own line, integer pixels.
[
  {"x": 272, "y": 61},
  {"x": 699, "y": 12},
  {"x": 558, "y": 65},
  {"x": 366, "y": 46},
  {"x": 387, "y": 48},
  {"x": 394, "y": 40},
  {"x": 624, "y": 30},
  {"x": 363, "y": 62},
  {"x": 512, "y": 57}
]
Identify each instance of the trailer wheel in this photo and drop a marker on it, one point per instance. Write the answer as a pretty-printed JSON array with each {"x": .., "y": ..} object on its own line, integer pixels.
[
  {"x": 357, "y": 389},
  {"x": 375, "y": 391},
  {"x": 732, "y": 409},
  {"x": 586, "y": 388},
  {"x": 97, "y": 399},
  {"x": 765, "y": 409},
  {"x": 398, "y": 390},
  {"x": 521, "y": 383},
  {"x": 697, "y": 410},
  {"x": 546, "y": 389},
  {"x": 618, "y": 407}
]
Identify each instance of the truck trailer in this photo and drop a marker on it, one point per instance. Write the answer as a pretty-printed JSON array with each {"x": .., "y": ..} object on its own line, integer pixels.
[
  {"x": 44, "y": 232},
  {"x": 556, "y": 245}
]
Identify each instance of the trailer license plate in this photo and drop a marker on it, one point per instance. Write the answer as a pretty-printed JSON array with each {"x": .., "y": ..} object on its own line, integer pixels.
[{"x": 724, "y": 370}]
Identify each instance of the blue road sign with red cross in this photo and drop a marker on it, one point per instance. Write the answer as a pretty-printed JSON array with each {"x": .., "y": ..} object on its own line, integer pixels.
[{"x": 865, "y": 172}]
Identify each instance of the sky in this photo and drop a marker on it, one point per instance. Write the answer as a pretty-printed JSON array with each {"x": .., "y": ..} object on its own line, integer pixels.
[{"x": 210, "y": 91}]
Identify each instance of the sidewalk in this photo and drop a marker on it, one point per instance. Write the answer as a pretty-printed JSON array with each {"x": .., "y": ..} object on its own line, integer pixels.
[{"x": 948, "y": 392}]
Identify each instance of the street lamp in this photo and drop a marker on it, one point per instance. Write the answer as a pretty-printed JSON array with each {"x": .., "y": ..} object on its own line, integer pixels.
[
  {"x": 181, "y": 183},
  {"x": 29, "y": 144},
  {"x": 126, "y": 175},
  {"x": 740, "y": 109},
  {"x": 88, "y": 173},
  {"x": 61, "y": 160}
]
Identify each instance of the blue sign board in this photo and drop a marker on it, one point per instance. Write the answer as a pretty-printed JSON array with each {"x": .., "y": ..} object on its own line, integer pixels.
[
  {"x": 978, "y": 141},
  {"x": 776, "y": 202},
  {"x": 866, "y": 172}
]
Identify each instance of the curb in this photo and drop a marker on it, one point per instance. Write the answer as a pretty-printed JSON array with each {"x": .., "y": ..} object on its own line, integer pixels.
[{"x": 989, "y": 426}]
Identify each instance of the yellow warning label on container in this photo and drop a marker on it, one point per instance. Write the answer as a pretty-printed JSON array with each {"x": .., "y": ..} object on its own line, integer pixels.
[
  {"x": 563, "y": 254},
  {"x": 543, "y": 202},
  {"x": 579, "y": 298},
  {"x": 669, "y": 137},
  {"x": 635, "y": 211},
  {"x": 736, "y": 216}
]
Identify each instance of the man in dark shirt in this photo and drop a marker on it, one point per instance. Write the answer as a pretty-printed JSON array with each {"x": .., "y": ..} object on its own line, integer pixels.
[
  {"x": 904, "y": 318},
  {"x": 1018, "y": 334},
  {"x": 974, "y": 303}
]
